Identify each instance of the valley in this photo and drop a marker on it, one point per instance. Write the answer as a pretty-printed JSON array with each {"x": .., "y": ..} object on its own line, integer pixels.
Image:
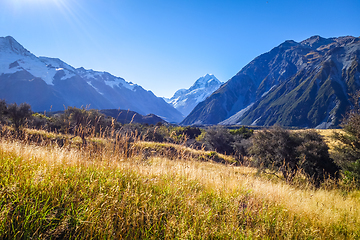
[{"x": 87, "y": 155}]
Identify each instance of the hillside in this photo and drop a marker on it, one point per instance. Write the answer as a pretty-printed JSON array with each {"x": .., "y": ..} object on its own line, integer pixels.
[{"x": 304, "y": 84}]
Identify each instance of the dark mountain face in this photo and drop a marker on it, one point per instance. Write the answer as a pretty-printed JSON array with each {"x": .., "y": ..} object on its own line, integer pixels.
[
  {"x": 51, "y": 84},
  {"x": 304, "y": 84}
]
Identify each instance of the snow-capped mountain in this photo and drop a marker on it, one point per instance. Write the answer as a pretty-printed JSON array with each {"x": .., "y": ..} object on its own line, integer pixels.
[
  {"x": 51, "y": 84},
  {"x": 184, "y": 100}
]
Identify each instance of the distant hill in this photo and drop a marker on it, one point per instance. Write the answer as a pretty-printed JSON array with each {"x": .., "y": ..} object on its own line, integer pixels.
[
  {"x": 127, "y": 116},
  {"x": 184, "y": 100},
  {"x": 49, "y": 83},
  {"x": 305, "y": 84}
]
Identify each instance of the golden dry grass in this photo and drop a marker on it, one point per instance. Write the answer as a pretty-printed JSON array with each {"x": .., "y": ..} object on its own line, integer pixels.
[{"x": 265, "y": 209}]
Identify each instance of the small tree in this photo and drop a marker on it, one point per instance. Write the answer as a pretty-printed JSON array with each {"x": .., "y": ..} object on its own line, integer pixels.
[{"x": 18, "y": 114}]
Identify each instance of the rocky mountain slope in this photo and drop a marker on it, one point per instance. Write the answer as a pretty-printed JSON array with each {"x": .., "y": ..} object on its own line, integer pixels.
[
  {"x": 304, "y": 84},
  {"x": 184, "y": 100},
  {"x": 49, "y": 83}
]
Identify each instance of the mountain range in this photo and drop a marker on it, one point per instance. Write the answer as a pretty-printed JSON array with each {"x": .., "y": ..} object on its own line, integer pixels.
[
  {"x": 49, "y": 84},
  {"x": 303, "y": 84},
  {"x": 184, "y": 100}
]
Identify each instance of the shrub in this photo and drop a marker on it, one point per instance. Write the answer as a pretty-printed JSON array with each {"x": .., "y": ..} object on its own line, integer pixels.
[
  {"x": 39, "y": 121},
  {"x": 219, "y": 139},
  {"x": 82, "y": 122},
  {"x": 314, "y": 157},
  {"x": 282, "y": 151},
  {"x": 242, "y": 141},
  {"x": 156, "y": 133},
  {"x": 180, "y": 134},
  {"x": 348, "y": 149},
  {"x": 242, "y": 132},
  {"x": 274, "y": 149},
  {"x": 19, "y": 114},
  {"x": 234, "y": 142},
  {"x": 3, "y": 110}
]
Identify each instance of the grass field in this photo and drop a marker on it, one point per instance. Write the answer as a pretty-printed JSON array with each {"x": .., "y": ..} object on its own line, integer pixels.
[{"x": 115, "y": 191}]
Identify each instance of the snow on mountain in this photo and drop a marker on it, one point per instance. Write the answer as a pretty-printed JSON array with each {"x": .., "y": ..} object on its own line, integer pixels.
[
  {"x": 108, "y": 79},
  {"x": 10, "y": 45},
  {"x": 184, "y": 100},
  {"x": 14, "y": 58},
  {"x": 49, "y": 83}
]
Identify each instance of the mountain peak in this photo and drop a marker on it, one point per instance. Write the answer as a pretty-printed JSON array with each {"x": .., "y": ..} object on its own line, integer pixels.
[
  {"x": 316, "y": 41},
  {"x": 9, "y": 44},
  {"x": 185, "y": 100},
  {"x": 289, "y": 43},
  {"x": 205, "y": 81}
]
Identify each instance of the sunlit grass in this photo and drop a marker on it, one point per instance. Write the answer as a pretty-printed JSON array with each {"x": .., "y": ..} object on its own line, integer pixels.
[
  {"x": 53, "y": 192},
  {"x": 328, "y": 137}
]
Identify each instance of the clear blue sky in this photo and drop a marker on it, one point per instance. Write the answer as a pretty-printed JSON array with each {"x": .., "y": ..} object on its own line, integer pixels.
[{"x": 164, "y": 45}]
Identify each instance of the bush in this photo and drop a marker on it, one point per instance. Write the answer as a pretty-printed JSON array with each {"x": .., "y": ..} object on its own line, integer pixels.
[
  {"x": 19, "y": 114},
  {"x": 220, "y": 140},
  {"x": 3, "y": 110},
  {"x": 348, "y": 150},
  {"x": 182, "y": 134},
  {"x": 242, "y": 132},
  {"x": 242, "y": 141},
  {"x": 82, "y": 122},
  {"x": 233, "y": 142},
  {"x": 282, "y": 151},
  {"x": 39, "y": 121},
  {"x": 314, "y": 157},
  {"x": 156, "y": 133},
  {"x": 274, "y": 149}
]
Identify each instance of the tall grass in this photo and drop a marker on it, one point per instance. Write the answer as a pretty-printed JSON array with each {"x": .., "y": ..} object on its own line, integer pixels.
[{"x": 111, "y": 191}]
